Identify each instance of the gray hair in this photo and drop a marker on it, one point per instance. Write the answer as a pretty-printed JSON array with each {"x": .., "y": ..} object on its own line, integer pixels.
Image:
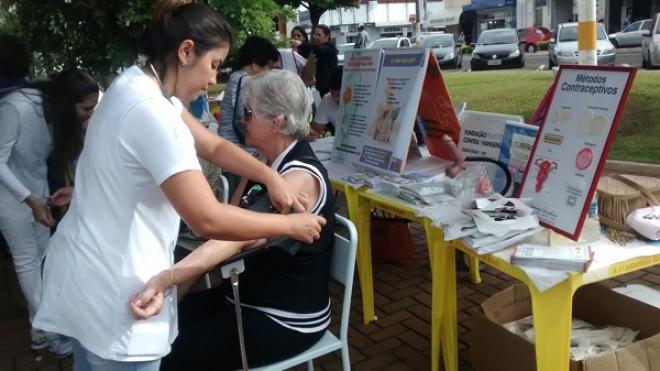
[{"x": 280, "y": 92}]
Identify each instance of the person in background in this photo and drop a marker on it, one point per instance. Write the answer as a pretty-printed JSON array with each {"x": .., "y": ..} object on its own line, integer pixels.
[
  {"x": 284, "y": 289},
  {"x": 28, "y": 116},
  {"x": 298, "y": 41},
  {"x": 326, "y": 57},
  {"x": 71, "y": 112},
  {"x": 363, "y": 40},
  {"x": 15, "y": 63},
  {"x": 137, "y": 176},
  {"x": 326, "y": 115},
  {"x": 256, "y": 55}
]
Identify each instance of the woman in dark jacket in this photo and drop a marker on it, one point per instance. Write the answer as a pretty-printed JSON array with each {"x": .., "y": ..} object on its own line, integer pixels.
[{"x": 326, "y": 57}]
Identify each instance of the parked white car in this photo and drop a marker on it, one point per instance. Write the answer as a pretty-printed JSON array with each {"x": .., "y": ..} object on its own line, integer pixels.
[
  {"x": 390, "y": 43},
  {"x": 651, "y": 44},
  {"x": 563, "y": 46},
  {"x": 631, "y": 35},
  {"x": 341, "y": 49}
]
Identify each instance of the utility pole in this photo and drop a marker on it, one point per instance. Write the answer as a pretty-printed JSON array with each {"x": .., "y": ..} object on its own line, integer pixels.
[
  {"x": 417, "y": 24},
  {"x": 587, "y": 32}
]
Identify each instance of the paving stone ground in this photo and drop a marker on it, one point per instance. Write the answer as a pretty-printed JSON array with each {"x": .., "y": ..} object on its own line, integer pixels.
[{"x": 399, "y": 340}]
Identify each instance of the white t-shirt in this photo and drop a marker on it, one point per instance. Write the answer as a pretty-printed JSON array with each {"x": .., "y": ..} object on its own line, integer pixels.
[
  {"x": 327, "y": 112},
  {"x": 120, "y": 229},
  {"x": 292, "y": 61}
]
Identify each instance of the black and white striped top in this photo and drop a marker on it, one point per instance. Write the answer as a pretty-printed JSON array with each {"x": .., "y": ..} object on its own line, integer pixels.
[{"x": 290, "y": 285}]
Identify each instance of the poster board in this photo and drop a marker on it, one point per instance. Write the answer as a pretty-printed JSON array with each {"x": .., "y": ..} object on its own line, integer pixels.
[
  {"x": 573, "y": 142},
  {"x": 499, "y": 137},
  {"x": 380, "y": 104},
  {"x": 436, "y": 112},
  {"x": 393, "y": 109},
  {"x": 358, "y": 86}
]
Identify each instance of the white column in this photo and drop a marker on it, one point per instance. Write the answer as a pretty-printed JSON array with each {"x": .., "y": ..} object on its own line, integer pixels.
[{"x": 587, "y": 28}]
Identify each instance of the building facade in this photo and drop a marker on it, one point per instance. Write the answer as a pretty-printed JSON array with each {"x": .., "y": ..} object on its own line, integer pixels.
[{"x": 391, "y": 18}]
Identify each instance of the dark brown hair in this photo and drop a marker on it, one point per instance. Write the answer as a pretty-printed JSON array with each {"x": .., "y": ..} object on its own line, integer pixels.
[
  {"x": 61, "y": 94},
  {"x": 178, "y": 20}
]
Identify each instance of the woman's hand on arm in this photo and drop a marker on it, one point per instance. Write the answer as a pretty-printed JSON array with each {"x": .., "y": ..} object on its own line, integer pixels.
[
  {"x": 234, "y": 159},
  {"x": 191, "y": 196},
  {"x": 183, "y": 274}
]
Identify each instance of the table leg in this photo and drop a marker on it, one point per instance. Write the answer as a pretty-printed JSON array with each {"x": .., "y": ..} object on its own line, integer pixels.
[
  {"x": 360, "y": 213},
  {"x": 552, "y": 312},
  {"x": 444, "y": 333},
  {"x": 473, "y": 265}
]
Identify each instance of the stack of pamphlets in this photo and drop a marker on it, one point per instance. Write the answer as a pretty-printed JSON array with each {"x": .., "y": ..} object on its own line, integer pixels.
[
  {"x": 587, "y": 340},
  {"x": 492, "y": 224},
  {"x": 564, "y": 258}
]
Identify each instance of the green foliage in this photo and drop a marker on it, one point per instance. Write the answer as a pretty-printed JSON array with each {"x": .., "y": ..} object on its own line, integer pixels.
[
  {"x": 103, "y": 35},
  {"x": 519, "y": 92},
  {"x": 318, "y": 7},
  {"x": 466, "y": 49},
  {"x": 543, "y": 45}
]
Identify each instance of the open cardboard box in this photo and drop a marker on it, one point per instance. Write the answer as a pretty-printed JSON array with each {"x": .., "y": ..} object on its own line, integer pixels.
[{"x": 494, "y": 348}]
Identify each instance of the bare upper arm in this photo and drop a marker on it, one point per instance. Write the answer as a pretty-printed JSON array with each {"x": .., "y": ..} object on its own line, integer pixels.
[{"x": 304, "y": 183}]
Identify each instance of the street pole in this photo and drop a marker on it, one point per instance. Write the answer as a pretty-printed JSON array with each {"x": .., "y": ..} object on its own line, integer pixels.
[
  {"x": 417, "y": 25},
  {"x": 587, "y": 31}
]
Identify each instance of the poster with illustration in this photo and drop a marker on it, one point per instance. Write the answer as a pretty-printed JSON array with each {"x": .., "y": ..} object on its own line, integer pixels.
[
  {"x": 358, "y": 88},
  {"x": 393, "y": 109},
  {"x": 572, "y": 144}
]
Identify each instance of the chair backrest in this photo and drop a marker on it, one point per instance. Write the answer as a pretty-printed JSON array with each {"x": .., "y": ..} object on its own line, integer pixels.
[{"x": 342, "y": 268}]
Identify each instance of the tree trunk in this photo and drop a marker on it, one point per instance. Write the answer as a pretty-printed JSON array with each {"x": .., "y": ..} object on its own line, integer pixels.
[{"x": 315, "y": 13}]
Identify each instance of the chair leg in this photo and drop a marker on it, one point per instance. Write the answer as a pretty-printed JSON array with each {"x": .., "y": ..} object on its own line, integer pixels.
[
  {"x": 310, "y": 365},
  {"x": 345, "y": 361},
  {"x": 207, "y": 281}
]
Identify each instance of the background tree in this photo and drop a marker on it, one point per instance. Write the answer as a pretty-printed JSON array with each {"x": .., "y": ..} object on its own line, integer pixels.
[
  {"x": 103, "y": 35},
  {"x": 318, "y": 7}
]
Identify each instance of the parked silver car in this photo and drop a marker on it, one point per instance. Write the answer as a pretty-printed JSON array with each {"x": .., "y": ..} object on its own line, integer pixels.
[
  {"x": 445, "y": 47},
  {"x": 651, "y": 44},
  {"x": 631, "y": 35},
  {"x": 563, "y": 46},
  {"x": 391, "y": 42}
]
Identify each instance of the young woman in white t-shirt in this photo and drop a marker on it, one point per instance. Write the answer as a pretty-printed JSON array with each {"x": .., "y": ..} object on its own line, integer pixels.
[
  {"x": 137, "y": 175},
  {"x": 40, "y": 139}
]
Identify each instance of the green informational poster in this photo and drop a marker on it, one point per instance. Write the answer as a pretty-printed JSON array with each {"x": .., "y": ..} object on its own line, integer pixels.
[{"x": 380, "y": 105}]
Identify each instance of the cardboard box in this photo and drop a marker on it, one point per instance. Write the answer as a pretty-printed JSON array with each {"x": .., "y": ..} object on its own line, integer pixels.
[{"x": 494, "y": 348}]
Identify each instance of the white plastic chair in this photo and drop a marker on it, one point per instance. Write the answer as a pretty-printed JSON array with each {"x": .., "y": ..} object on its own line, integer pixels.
[{"x": 342, "y": 269}]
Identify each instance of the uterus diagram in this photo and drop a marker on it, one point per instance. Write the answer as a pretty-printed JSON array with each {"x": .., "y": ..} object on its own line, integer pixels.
[{"x": 546, "y": 168}]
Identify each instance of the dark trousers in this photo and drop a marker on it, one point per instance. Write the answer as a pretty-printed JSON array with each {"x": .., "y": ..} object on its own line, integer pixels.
[{"x": 208, "y": 336}]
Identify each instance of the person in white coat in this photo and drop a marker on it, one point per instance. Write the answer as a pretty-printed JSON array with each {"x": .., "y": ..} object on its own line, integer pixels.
[{"x": 137, "y": 176}]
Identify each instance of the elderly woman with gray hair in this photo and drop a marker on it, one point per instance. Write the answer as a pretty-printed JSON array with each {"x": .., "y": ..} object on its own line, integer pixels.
[{"x": 284, "y": 289}]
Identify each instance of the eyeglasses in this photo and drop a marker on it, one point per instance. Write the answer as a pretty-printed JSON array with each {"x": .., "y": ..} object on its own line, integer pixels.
[{"x": 247, "y": 113}]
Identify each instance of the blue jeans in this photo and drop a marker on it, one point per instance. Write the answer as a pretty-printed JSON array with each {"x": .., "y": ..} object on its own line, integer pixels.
[{"x": 84, "y": 360}]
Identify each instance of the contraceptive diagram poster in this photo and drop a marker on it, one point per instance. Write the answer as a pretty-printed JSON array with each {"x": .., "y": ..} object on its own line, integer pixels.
[
  {"x": 379, "y": 105},
  {"x": 573, "y": 142},
  {"x": 359, "y": 80},
  {"x": 393, "y": 109}
]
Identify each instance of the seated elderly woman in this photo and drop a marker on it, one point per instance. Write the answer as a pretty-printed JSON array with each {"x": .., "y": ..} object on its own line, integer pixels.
[{"x": 284, "y": 289}]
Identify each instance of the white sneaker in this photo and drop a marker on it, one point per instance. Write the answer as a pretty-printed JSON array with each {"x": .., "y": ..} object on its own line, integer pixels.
[
  {"x": 61, "y": 346},
  {"x": 40, "y": 339}
]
